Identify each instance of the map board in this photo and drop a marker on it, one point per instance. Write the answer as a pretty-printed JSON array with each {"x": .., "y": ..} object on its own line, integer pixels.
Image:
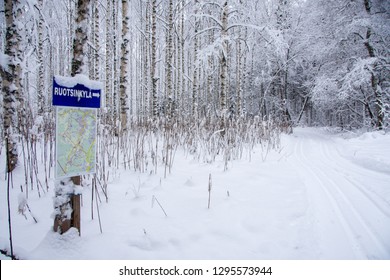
[
  {"x": 76, "y": 141},
  {"x": 76, "y": 125}
]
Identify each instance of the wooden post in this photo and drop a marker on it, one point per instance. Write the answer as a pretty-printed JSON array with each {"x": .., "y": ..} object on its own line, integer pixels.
[
  {"x": 63, "y": 226},
  {"x": 75, "y": 220},
  {"x": 60, "y": 225}
]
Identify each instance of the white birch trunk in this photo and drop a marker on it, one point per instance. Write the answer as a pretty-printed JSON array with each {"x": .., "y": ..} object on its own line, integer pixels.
[
  {"x": 108, "y": 65},
  {"x": 195, "y": 63},
  {"x": 124, "y": 108},
  {"x": 11, "y": 81},
  {"x": 41, "y": 100},
  {"x": 153, "y": 65},
  {"x": 80, "y": 41},
  {"x": 224, "y": 59}
]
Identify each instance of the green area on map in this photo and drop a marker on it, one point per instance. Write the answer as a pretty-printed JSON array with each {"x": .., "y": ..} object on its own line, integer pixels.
[{"x": 76, "y": 141}]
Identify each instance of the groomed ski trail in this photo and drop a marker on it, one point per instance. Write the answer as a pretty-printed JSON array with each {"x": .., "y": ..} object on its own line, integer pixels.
[{"x": 350, "y": 219}]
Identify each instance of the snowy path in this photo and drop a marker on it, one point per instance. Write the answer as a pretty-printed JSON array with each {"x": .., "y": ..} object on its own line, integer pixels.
[
  {"x": 321, "y": 196},
  {"x": 351, "y": 218}
]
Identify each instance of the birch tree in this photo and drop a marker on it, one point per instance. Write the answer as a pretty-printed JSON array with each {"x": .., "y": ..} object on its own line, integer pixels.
[
  {"x": 94, "y": 70},
  {"x": 64, "y": 201},
  {"x": 108, "y": 64},
  {"x": 153, "y": 66},
  {"x": 224, "y": 58},
  {"x": 41, "y": 71},
  {"x": 194, "y": 104},
  {"x": 145, "y": 60},
  {"x": 80, "y": 41},
  {"x": 124, "y": 107},
  {"x": 114, "y": 79},
  {"x": 169, "y": 60},
  {"x": 11, "y": 79}
]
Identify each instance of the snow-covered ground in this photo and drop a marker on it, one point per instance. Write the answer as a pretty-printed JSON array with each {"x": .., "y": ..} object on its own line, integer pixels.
[{"x": 322, "y": 195}]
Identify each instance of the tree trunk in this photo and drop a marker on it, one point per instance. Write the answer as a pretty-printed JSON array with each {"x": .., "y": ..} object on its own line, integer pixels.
[
  {"x": 124, "y": 65},
  {"x": 108, "y": 66},
  {"x": 41, "y": 100},
  {"x": 145, "y": 55},
  {"x": 94, "y": 71},
  {"x": 169, "y": 61},
  {"x": 374, "y": 78},
  {"x": 223, "y": 60},
  {"x": 80, "y": 40},
  {"x": 11, "y": 77},
  {"x": 115, "y": 105},
  {"x": 238, "y": 76},
  {"x": 179, "y": 74},
  {"x": 153, "y": 60},
  {"x": 287, "y": 123},
  {"x": 195, "y": 63}
]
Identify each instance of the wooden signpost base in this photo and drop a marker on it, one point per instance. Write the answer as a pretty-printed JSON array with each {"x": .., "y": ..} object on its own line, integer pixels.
[{"x": 75, "y": 204}]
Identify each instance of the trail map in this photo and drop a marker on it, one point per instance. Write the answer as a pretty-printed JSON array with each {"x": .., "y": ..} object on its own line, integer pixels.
[{"x": 76, "y": 141}]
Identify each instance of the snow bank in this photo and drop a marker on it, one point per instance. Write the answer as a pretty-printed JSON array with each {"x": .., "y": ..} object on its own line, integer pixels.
[
  {"x": 370, "y": 150},
  {"x": 56, "y": 246}
]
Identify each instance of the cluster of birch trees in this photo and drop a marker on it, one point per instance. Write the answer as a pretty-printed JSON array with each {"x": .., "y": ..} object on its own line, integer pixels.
[{"x": 317, "y": 62}]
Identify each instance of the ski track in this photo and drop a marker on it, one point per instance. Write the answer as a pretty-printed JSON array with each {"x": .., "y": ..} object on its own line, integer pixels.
[
  {"x": 366, "y": 237},
  {"x": 365, "y": 190},
  {"x": 320, "y": 198},
  {"x": 362, "y": 216}
]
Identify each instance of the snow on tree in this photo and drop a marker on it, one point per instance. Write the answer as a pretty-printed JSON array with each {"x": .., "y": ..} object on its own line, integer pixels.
[{"x": 11, "y": 74}]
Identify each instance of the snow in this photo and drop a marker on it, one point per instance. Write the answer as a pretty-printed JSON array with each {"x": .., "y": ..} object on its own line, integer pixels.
[
  {"x": 22, "y": 202},
  {"x": 63, "y": 190},
  {"x": 4, "y": 61},
  {"x": 71, "y": 82},
  {"x": 322, "y": 195}
]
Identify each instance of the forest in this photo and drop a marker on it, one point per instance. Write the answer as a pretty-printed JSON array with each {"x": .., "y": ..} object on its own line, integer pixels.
[
  {"x": 214, "y": 79},
  {"x": 195, "y": 67},
  {"x": 315, "y": 63}
]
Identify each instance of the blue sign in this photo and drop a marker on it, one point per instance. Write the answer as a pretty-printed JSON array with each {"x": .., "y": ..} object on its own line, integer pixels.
[{"x": 77, "y": 95}]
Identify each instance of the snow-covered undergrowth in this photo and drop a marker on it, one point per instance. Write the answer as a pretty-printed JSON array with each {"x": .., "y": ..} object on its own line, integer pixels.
[
  {"x": 145, "y": 146},
  {"x": 318, "y": 195}
]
